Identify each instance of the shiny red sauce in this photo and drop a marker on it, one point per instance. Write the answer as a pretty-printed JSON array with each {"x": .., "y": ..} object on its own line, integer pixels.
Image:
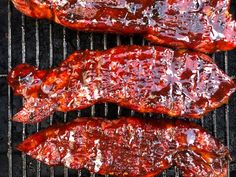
[
  {"x": 142, "y": 78},
  {"x": 206, "y": 26},
  {"x": 130, "y": 147}
]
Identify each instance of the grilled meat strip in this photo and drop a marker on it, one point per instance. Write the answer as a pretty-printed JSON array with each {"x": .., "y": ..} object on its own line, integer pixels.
[
  {"x": 142, "y": 78},
  {"x": 130, "y": 147},
  {"x": 203, "y": 25}
]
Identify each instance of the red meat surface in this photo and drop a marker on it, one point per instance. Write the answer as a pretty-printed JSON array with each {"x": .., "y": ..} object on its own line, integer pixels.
[
  {"x": 142, "y": 78},
  {"x": 130, "y": 147},
  {"x": 203, "y": 25}
]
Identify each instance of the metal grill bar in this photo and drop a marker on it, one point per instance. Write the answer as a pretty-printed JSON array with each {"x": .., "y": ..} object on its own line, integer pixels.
[
  {"x": 91, "y": 48},
  {"x": 227, "y": 106},
  {"x": 52, "y": 172},
  {"x": 77, "y": 41},
  {"x": 177, "y": 173},
  {"x": 50, "y": 46},
  {"x": 64, "y": 43},
  {"x": 64, "y": 56},
  {"x": 214, "y": 112},
  {"x": 131, "y": 43},
  {"x": 24, "y": 167},
  {"x": 50, "y": 60},
  {"x": 9, "y": 133},
  {"x": 50, "y": 64},
  {"x": 3, "y": 75},
  {"x": 79, "y": 112},
  {"x": 164, "y": 174},
  {"x": 143, "y": 42},
  {"x": 105, "y": 48},
  {"x": 214, "y": 124},
  {"x": 78, "y": 48},
  {"x": 105, "y": 105},
  {"x": 23, "y": 37},
  {"x": 38, "y": 166},
  {"x": 118, "y": 42},
  {"x": 37, "y": 42},
  {"x": 227, "y": 111},
  {"x": 93, "y": 107}
]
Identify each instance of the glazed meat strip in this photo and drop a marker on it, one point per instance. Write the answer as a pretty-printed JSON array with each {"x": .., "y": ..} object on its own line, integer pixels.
[
  {"x": 142, "y": 78},
  {"x": 130, "y": 147},
  {"x": 203, "y": 25}
]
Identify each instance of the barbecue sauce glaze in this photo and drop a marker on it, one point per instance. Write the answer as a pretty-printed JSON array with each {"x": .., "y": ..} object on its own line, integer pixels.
[
  {"x": 203, "y": 25},
  {"x": 130, "y": 147},
  {"x": 142, "y": 78}
]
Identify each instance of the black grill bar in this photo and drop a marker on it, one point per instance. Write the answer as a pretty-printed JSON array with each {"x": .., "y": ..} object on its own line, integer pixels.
[
  {"x": 50, "y": 46},
  {"x": 105, "y": 47},
  {"x": 177, "y": 172},
  {"x": 118, "y": 42},
  {"x": 93, "y": 106},
  {"x": 214, "y": 112},
  {"x": 131, "y": 43},
  {"x": 77, "y": 40},
  {"x": 79, "y": 112},
  {"x": 227, "y": 111},
  {"x": 3, "y": 75},
  {"x": 226, "y": 106},
  {"x": 52, "y": 172},
  {"x": 105, "y": 105},
  {"x": 24, "y": 166},
  {"x": 9, "y": 100},
  {"x": 64, "y": 56},
  {"x": 50, "y": 65},
  {"x": 50, "y": 59},
  {"x": 38, "y": 166},
  {"x": 91, "y": 48}
]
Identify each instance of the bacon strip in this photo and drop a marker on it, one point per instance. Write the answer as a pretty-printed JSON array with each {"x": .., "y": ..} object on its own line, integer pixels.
[
  {"x": 206, "y": 26},
  {"x": 130, "y": 147},
  {"x": 145, "y": 79}
]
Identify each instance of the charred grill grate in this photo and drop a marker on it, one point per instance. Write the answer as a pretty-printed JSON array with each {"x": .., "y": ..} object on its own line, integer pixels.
[{"x": 44, "y": 44}]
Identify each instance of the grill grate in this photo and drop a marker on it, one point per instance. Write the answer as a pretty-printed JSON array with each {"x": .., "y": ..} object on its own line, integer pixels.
[
  {"x": 227, "y": 108},
  {"x": 46, "y": 42},
  {"x": 9, "y": 152}
]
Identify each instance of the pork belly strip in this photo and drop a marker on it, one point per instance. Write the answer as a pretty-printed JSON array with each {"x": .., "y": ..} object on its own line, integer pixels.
[
  {"x": 142, "y": 78},
  {"x": 206, "y": 26},
  {"x": 130, "y": 147}
]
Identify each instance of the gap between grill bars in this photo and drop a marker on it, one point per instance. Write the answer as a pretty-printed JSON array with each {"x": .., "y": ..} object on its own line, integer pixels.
[{"x": 93, "y": 110}]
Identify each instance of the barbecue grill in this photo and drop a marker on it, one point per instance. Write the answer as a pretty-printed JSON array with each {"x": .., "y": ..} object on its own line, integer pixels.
[{"x": 45, "y": 44}]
